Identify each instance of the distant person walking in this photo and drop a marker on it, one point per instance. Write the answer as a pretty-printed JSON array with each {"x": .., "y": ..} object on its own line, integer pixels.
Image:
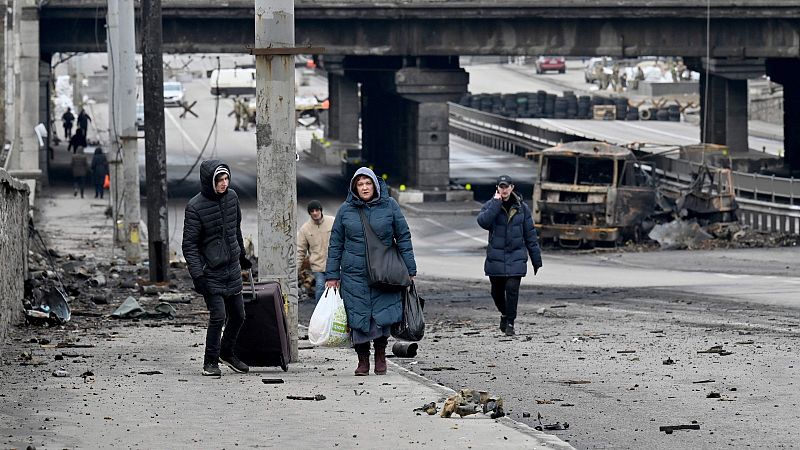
[
  {"x": 67, "y": 119},
  {"x": 77, "y": 142},
  {"x": 83, "y": 122},
  {"x": 80, "y": 168},
  {"x": 512, "y": 238},
  {"x": 370, "y": 311},
  {"x": 214, "y": 252},
  {"x": 312, "y": 243},
  {"x": 99, "y": 171}
]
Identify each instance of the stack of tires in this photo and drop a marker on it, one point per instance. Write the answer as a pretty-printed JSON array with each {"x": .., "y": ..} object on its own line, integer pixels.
[
  {"x": 540, "y": 104},
  {"x": 674, "y": 113},
  {"x": 550, "y": 106},
  {"x": 622, "y": 107},
  {"x": 633, "y": 113},
  {"x": 584, "y": 107}
]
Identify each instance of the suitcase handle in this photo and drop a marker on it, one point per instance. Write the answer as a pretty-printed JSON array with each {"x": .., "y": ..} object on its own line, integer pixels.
[{"x": 252, "y": 282}]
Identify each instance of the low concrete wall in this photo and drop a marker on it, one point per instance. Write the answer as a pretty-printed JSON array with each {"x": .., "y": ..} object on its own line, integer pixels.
[
  {"x": 13, "y": 249},
  {"x": 767, "y": 107}
]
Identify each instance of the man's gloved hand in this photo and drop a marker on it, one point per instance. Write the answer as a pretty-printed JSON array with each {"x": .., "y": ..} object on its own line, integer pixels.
[
  {"x": 200, "y": 285},
  {"x": 245, "y": 263},
  {"x": 535, "y": 270}
]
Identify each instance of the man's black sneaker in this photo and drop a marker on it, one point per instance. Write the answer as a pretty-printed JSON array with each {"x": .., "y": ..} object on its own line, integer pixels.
[
  {"x": 510, "y": 330},
  {"x": 503, "y": 323},
  {"x": 234, "y": 363},
  {"x": 211, "y": 370}
]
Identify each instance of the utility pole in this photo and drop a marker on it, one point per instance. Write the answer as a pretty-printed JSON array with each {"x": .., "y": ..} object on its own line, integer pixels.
[
  {"x": 76, "y": 78},
  {"x": 155, "y": 141},
  {"x": 114, "y": 150},
  {"x": 125, "y": 122},
  {"x": 275, "y": 142}
]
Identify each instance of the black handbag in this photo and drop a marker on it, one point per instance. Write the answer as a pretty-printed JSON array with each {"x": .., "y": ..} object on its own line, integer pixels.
[
  {"x": 412, "y": 327},
  {"x": 385, "y": 266}
]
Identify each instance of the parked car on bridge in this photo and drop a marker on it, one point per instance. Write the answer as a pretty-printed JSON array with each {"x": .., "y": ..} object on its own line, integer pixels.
[
  {"x": 590, "y": 71},
  {"x": 173, "y": 93},
  {"x": 550, "y": 63}
]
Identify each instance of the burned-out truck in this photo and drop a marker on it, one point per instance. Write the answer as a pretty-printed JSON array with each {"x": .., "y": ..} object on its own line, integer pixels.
[{"x": 591, "y": 192}]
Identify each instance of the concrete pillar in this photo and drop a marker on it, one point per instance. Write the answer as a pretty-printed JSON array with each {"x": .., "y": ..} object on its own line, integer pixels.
[
  {"x": 736, "y": 116},
  {"x": 784, "y": 71},
  {"x": 426, "y": 89},
  {"x": 343, "y": 112},
  {"x": 3, "y": 72},
  {"x": 725, "y": 119},
  {"x": 712, "y": 117},
  {"x": 404, "y": 118},
  {"x": 27, "y": 101},
  {"x": 429, "y": 153},
  {"x": 44, "y": 113}
]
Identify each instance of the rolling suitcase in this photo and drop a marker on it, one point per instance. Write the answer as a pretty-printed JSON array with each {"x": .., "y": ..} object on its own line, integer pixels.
[{"x": 264, "y": 337}]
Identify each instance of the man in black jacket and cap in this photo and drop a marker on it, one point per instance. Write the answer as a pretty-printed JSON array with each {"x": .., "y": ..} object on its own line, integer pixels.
[
  {"x": 512, "y": 239},
  {"x": 214, "y": 252}
]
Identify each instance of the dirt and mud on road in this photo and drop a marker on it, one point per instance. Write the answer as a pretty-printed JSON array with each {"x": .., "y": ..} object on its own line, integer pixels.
[{"x": 619, "y": 364}]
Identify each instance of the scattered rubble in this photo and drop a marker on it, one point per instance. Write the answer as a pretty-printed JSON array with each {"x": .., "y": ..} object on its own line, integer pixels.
[
  {"x": 317, "y": 397},
  {"x": 670, "y": 428},
  {"x": 716, "y": 349},
  {"x": 469, "y": 402}
]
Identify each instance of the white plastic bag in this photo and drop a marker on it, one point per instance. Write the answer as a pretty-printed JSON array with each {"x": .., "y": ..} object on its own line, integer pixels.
[{"x": 328, "y": 326}]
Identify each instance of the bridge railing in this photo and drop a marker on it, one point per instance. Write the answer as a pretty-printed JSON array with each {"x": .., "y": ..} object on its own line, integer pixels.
[{"x": 766, "y": 203}]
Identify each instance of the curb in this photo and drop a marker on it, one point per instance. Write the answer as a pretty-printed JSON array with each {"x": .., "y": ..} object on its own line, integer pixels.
[{"x": 548, "y": 441}]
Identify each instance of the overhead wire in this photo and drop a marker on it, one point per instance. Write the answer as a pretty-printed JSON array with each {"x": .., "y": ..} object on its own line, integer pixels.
[
  {"x": 210, "y": 132},
  {"x": 704, "y": 136}
]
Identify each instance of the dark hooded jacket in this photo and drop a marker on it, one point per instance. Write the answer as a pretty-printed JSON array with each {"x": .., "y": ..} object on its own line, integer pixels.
[
  {"x": 212, "y": 235},
  {"x": 512, "y": 238},
  {"x": 347, "y": 255}
]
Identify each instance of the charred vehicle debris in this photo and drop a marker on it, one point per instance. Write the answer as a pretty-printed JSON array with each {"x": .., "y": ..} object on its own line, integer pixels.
[{"x": 592, "y": 193}]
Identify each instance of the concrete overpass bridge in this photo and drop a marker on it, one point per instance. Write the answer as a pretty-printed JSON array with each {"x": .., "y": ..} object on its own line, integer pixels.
[{"x": 395, "y": 62}]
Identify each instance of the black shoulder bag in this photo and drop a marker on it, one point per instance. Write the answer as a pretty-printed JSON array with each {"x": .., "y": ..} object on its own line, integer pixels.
[{"x": 385, "y": 266}]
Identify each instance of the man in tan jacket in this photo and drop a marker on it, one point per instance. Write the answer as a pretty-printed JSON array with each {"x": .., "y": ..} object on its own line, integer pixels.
[{"x": 312, "y": 242}]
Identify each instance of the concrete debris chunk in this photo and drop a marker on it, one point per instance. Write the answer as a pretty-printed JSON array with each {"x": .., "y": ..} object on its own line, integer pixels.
[{"x": 469, "y": 402}]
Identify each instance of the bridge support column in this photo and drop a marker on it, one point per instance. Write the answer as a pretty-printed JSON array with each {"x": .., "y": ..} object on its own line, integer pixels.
[
  {"x": 725, "y": 121},
  {"x": 724, "y": 118},
  {"x": 27, "y": 98},
  {"x": 405, "y": 131},
  {"x": 343, "y": 109},
  {"x": 784, "y": 71}
]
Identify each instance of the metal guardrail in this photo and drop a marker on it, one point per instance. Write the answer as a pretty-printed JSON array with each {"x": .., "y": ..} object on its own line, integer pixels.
[{"x": 766, "y": 203}]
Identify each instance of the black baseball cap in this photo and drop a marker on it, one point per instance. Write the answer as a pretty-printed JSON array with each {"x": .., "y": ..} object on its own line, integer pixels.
[{"x": 504, "y": 179}]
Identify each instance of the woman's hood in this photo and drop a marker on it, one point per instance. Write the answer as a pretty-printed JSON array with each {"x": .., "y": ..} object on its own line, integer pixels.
[{"x": 382, "y": 189}]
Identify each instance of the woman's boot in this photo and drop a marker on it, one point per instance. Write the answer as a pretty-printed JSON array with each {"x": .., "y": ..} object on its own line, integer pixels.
[
  {"x": 363, "y": 359},
  {"x": 380, "y": 356}
]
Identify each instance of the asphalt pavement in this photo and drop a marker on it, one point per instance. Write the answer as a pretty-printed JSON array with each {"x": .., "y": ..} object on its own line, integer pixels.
[{"x": 138, "y": 383}]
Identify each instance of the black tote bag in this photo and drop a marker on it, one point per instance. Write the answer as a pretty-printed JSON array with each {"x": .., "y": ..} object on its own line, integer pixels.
[
  {"x": 412, "y": 327},
  {"x": 385, "y": 266}
]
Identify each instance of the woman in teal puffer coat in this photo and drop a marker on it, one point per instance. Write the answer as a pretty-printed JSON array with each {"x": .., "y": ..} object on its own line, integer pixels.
[{"x": 370, "y": 311}]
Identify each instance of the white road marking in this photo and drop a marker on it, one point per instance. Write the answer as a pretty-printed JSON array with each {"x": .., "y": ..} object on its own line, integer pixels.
[
  {"x": 183, "y": 132},
  {"x": 460, "y": 233}
]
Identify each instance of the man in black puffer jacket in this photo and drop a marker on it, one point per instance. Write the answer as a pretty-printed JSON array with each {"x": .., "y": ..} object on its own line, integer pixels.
[
  {"x": 512, "y": 238},
  {"x": 214, "y": 252}
]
